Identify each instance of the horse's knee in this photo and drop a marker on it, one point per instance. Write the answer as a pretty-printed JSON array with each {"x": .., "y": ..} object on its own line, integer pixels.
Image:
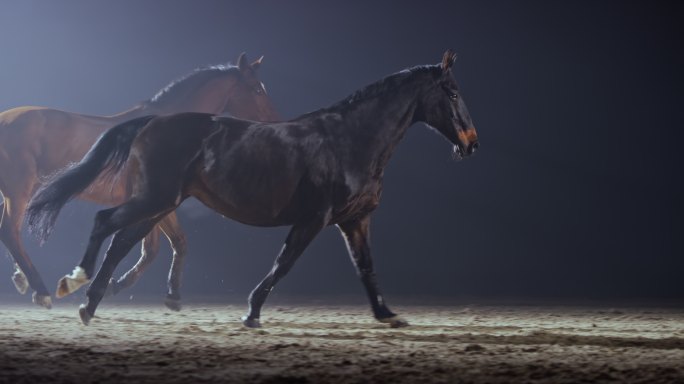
[
  {"x": 150, "y": 244},
  {"x": 179, "y": 243}
]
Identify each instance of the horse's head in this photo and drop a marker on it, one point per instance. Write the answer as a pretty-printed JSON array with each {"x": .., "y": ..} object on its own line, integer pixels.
[
  {"x": 442, "y": 107},
  {"x": 221, "y": 89},
  {"x": 247, "y": 98}
]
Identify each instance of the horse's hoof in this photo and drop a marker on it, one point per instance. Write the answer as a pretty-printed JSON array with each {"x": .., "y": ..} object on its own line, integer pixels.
[
  {"x": 20, "y": 281},
  {"x": 70, "y": 283},
  {"x": 43, "y": 301},
  {"x": 250, "y": 323},
  {"x": 85, "y": 316},
  {"x": 395, "y": 322},
  {"x": 173, "y": 304}
]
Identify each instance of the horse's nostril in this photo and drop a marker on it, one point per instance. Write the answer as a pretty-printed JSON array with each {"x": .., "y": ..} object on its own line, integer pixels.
[{"x": 474, "y": 147}]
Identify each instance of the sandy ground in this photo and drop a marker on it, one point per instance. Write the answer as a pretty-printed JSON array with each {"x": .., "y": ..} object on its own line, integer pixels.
[{"x": 307, "y": 342}]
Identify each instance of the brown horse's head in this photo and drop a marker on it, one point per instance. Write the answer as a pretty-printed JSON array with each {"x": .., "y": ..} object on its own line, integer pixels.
[
  {"x": 443, "y": 108},
  {"x": 221, "y": 89},
  {"x": 247, "y": 98}
]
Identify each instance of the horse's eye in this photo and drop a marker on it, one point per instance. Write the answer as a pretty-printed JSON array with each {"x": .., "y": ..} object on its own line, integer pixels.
[{"x": 453, "y": 96}]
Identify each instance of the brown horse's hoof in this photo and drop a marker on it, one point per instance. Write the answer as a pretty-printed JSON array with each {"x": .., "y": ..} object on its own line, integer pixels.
[
  {"x": 43, "y": 301},
  {"x": 20, "y": 281},
  {"x": 395, "y": 322},
  {"x": 250, "y": 323},
  {"x": 173, "y": 304},
  {"x": 85, "y": 316}
]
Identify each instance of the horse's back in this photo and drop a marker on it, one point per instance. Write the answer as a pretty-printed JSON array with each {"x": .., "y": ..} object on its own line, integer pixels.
[
  {"x": 46, "y": 139},
  {"x": 16, "y": 120},
  {"x": 174, "y": 131},
  {"x": 255, "y": 173},
  {"x": 167, "y": 145}
]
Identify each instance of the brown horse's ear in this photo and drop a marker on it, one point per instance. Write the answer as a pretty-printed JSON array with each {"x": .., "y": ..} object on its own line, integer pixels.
[
  {"x": 242, "y": 63},
  {"x": 448, "y": 60},
  {"x": 255, "y": 65}
]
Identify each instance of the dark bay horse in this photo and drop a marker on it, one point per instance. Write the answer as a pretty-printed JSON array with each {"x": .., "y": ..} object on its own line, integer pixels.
[
  {"x": 323, "y": 168},
  {"x": 35, "y": 142}
]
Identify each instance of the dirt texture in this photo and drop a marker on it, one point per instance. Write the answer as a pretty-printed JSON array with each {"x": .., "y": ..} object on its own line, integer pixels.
[{"x": 315, "y": 343}]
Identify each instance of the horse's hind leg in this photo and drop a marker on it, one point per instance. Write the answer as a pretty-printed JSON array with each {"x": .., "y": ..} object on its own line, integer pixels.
[
  {"x": 171, "y": 228},
  {"x": 107, "y": 222},
  {"x": 357, "y": 236},
  {"x": 18, "y": 277},
  {"x": 297, "y": 240},
  {"x": 25, "y": 272},
  {"x": 121, "y": 244},
  {"x": 149, "y": 251}
]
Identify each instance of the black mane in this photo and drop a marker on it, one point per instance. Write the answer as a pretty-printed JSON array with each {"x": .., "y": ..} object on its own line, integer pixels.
[
  {"x": 193, "y": 80},
  {"x": 381, "y": 86}
]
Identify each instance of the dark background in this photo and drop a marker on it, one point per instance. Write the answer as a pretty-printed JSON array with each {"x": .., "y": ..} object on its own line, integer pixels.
[{"x": 576, "y": 192}]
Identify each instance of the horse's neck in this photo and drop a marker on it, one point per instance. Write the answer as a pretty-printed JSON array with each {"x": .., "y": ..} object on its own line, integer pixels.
[{"x": 383, "y": 122}]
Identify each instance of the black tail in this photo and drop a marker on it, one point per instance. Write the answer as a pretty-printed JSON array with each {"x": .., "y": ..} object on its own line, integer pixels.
[{"x": 109, "y": 152}]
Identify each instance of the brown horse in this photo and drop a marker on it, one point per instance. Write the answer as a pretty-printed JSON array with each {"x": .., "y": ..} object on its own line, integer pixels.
[
  {"x": 323, "y": 168},
  {"x": 36, "y": 142}
]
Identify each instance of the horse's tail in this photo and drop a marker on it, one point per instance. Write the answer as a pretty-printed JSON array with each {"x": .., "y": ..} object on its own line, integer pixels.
[{"x": 109, "y": 153}]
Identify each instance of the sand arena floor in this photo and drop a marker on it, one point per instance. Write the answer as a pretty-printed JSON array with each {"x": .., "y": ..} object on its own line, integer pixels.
[{"x": 308, "y": 342}]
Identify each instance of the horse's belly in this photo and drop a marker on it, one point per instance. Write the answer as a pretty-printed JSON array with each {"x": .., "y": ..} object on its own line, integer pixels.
[
  {"x": 253, "y": 198},
  {"x": 246, "y": 212}
]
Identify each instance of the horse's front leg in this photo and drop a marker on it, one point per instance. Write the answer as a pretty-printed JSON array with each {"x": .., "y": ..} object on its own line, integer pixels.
[
  {"x": 357, "y": 236},
  {"x": 298, "y": 239}
]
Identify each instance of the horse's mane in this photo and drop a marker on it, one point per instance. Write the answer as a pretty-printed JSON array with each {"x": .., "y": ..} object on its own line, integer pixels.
[
  {"x": 391, "y": 81},
  {"x": 189, "y": 82}
]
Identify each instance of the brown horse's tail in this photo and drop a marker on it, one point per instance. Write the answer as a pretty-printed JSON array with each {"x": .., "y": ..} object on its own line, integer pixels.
[{"x": 109, "y": 153}]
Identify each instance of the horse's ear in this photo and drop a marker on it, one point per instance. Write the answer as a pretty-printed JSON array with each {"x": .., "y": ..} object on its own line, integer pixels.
[
  {"x": 255, "y": 65},
  {"x": 448, "y": 60},
  {"x": 242, "y": 62}
]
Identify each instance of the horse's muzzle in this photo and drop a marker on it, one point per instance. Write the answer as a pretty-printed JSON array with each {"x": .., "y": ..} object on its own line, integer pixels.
[{"x": 457, "y": 153}]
